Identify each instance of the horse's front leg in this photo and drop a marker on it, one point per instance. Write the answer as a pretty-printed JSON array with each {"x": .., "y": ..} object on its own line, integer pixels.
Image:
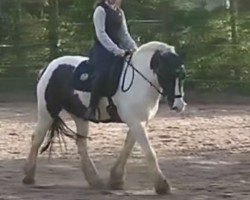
[
  {"x": 139, "y": 133},
  {"x": 87, "y": 165},
  {"x": 118, "y": 170}
]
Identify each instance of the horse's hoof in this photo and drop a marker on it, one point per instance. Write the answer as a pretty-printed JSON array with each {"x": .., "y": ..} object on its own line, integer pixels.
[
  {"x": 116, "y": 185},
  {"x": 116, "y": 180},
  {"x": 28, "y": 181},
  {"x": 162, "y": 187},
  {"x": 98, "y": 185}
]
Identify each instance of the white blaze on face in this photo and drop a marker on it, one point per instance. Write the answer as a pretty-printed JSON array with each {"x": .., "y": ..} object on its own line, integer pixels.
[{"x": 179, "y": 104}]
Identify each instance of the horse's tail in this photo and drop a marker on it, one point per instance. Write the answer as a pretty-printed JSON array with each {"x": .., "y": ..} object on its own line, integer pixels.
[
  {"x": 40, "y": 73},
  {"x": 58, "y": 129}
]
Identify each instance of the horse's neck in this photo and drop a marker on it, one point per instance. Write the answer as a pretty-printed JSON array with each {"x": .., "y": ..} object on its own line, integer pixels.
[
  {"x": 144, "y": 79},
  {"x": 142, "y": 62}
]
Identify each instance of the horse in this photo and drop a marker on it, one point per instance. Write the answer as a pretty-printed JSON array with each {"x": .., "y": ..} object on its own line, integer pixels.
[{"x": 158, "y": 70}]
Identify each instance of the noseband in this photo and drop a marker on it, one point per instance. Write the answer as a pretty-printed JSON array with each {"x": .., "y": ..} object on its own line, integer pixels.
[{"x": 178, "y": 96}]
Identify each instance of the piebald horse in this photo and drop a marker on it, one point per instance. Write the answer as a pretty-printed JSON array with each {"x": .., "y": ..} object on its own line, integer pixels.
[{"x": 158, "y": 70}]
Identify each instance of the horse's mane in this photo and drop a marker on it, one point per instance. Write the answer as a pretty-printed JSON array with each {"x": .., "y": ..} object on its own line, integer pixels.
[{"x": 155, "y": 45}]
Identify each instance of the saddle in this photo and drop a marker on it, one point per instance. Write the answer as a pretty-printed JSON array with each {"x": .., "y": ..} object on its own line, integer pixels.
[
  {"x": 83, "y": 75},
  {"x": 82, "y": 80}
]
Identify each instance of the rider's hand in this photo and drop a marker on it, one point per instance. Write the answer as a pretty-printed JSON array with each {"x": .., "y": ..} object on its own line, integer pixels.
[
  {"x": 133, "y": 50},
  {"x": 127, "y": 53},
  {"x": 130, "y": 51},
  {"x": 122, "y": 53}
]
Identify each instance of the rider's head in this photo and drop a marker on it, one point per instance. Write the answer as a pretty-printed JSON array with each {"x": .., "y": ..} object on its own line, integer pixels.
[
  {"x": 111, "y": 2},
  {"x": 117, "y": 3}
]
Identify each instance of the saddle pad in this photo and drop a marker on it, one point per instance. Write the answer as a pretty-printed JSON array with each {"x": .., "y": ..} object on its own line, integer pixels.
[{"x": 82, "y": 76}]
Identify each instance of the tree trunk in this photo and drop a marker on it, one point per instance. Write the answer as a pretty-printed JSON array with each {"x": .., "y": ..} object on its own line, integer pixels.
[
  {"x": 53, "y": 25},
  {"x": 17, "y": 41},
  {"x": 233, "y": 10}
]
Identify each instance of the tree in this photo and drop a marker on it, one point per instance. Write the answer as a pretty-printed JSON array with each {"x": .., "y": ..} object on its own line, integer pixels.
[
  {"x": 53, "y": 24},
  {"x": 233, "y": 11}
]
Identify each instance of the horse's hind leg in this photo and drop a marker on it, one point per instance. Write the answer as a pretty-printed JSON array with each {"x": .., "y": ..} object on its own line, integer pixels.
[
  {"x": 117, "y": 171},
  {"x": 44, "y": 123},
  {"x": 138, "y": 131},
  {"x": 87, "y": 165}
]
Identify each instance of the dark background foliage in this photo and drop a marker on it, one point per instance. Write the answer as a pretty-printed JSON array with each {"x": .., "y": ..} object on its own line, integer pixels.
[{"x": 214, "y": 34}]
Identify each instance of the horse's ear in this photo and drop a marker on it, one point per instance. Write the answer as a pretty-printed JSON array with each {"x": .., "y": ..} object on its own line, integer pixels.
[{"x": 155, "y": 60}]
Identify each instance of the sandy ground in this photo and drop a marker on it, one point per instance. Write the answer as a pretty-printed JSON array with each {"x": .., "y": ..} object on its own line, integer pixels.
[{"x": 204, "y": 152}]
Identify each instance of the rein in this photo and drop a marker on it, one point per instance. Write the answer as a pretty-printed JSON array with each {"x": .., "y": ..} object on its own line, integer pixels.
[{"x": 129, "y": 64}]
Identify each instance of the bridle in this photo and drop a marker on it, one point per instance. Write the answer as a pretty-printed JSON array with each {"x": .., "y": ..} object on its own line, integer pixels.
[{"x": 129, "y": 64}]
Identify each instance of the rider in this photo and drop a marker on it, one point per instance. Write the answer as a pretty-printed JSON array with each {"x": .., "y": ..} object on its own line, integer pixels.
[{"x": 112, "y": 40}]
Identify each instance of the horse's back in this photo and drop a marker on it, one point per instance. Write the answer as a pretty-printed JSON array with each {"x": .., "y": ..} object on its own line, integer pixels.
[
  {"x": 55, "y": 64},
  {"x": 65, "y": 60}
]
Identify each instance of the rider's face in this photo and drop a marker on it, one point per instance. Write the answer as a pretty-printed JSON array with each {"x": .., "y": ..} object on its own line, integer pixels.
[{"x": 112, "y": 2}]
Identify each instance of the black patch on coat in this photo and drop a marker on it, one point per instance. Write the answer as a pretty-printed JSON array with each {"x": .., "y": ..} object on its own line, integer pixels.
[{"x": 59, "y": 93}]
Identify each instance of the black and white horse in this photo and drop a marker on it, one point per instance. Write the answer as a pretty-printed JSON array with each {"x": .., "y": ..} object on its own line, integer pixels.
[{"x": 157, "y": 64}]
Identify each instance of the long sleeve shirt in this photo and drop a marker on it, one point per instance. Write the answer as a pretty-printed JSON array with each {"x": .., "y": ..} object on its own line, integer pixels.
[{"x": 127, "y": 42}]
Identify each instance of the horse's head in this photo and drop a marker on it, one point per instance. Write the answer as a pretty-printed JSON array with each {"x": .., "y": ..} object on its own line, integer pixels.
[{"x": 170, "y": 71}]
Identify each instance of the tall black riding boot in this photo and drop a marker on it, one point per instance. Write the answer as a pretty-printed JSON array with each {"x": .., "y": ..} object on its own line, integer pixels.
[{"x": 90, "y": 114}]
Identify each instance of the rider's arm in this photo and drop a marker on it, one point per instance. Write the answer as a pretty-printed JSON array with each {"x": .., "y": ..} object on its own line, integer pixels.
[
  {"x": 99, "y": 19},
  {"x": 127, "y": 41}
]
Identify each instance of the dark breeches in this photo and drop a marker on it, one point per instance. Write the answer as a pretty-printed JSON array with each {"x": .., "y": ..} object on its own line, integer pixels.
[{"x": 103, "y": 62}]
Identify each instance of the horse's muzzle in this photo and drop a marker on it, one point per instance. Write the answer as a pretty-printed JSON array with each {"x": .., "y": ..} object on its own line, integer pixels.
[{"x": 179, "y": 105}]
